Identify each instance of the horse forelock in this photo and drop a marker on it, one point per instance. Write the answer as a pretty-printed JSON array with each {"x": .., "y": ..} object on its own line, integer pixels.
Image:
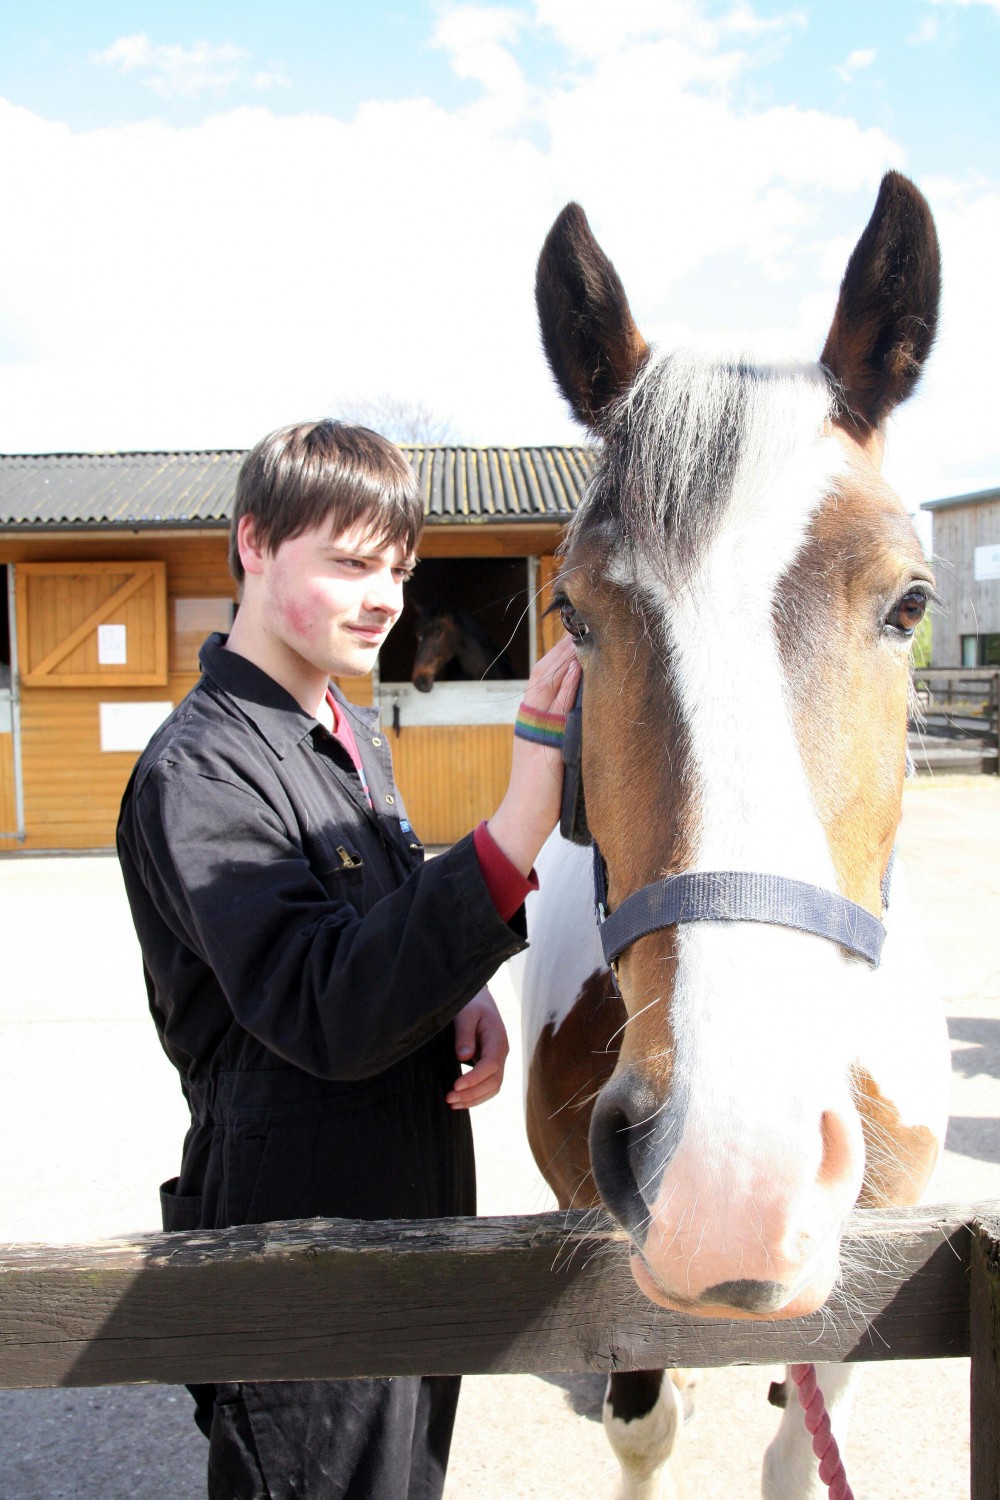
[
  {"x": 710, "y": 478},
  {"x": 692, "y": 443},
  {"x": 711, "y": 475}
]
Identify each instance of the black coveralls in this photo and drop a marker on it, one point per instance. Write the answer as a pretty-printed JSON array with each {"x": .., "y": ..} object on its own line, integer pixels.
[{"x": 303, "y": 965}]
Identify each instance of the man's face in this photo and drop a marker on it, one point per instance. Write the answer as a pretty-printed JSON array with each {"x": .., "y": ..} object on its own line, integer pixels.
[{"x": 331, "y": 600}]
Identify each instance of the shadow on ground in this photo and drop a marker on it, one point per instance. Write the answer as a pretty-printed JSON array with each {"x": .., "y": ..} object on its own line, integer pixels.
[
  {"x": 116, "y": 1443},
  {"x": 584, "y": 1393},
  {"x": 973, "y": 1137},
  {"x": 981, "y": 1055}
]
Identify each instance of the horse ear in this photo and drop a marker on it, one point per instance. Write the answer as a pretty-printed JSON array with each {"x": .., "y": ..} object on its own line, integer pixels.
[
  {"x": 592, "y": 344},
  {"x": 886, "y": 315}
]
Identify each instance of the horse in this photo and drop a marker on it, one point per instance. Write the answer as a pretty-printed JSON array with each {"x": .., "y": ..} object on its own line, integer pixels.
[
  {"x": 725, "y": 1056},
  {"x": 445, "y": 635}
]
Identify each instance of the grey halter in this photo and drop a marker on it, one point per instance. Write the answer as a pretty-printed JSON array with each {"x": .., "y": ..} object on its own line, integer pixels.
[{"x": 711, "y": 896}]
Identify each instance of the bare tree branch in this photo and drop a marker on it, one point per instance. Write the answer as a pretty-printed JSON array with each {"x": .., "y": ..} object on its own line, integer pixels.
[{"x": 397, "y": 418}]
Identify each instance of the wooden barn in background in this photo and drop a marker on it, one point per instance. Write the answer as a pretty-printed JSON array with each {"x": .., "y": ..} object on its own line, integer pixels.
[
  {"x": 113, "y": 570},
  {"x": 965, "y": 553}
]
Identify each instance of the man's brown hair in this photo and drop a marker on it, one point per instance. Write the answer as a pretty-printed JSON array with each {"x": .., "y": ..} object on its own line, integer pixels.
[{"x": 312, "y": 472}]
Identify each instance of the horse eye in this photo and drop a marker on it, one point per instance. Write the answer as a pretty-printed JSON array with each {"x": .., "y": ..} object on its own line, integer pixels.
[
  {"x": 907, "y": 613},
  {"x": 572, "y": 623}
]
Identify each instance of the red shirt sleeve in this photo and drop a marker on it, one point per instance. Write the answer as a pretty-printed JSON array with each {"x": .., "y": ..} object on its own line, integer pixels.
[{"x": 504, "y": 881}]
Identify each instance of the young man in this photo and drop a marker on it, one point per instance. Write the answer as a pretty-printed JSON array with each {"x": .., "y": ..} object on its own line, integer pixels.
[{"x": 313, "y": 981}]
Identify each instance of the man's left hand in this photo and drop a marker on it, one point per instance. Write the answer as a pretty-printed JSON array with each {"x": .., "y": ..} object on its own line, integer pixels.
[{"x": 480, "y": 1039}]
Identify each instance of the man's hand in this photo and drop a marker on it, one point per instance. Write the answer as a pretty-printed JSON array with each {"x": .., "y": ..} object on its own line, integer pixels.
[
  {"x": 530, "y": 808},
  {"x": 480, "y": 1039}
]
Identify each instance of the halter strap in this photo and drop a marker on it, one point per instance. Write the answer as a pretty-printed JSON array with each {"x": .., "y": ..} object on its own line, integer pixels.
[
  {"x": 735, "y": 896},
  {"x": 712, "y": 896}
]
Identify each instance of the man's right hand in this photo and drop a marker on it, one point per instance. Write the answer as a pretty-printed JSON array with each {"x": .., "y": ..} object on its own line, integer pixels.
[{"x": 530, "y": 807}]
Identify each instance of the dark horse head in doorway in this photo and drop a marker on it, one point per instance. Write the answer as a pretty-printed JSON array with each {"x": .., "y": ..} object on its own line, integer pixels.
[{"x": 445, "y": 635}]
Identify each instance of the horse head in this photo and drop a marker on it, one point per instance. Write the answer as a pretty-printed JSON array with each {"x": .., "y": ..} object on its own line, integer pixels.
[
  {"x": 445, "y": 635},
  {"x": 743, "y": 587},
  {"x": 437, "y": 644}
]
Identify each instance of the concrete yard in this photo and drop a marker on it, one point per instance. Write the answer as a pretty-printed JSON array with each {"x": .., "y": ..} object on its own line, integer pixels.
[{"x": 93, "y": 1117}]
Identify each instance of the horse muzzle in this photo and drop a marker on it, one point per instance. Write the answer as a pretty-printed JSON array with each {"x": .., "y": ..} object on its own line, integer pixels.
[
  {"x": 743, "y": 1297},
  {"x": 724, "y": 1224}
]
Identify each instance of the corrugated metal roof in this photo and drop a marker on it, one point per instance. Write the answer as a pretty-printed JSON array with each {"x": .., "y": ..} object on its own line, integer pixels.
[
  {"x": 979, "y": 497},
  {"x": 53, "y": 491}
]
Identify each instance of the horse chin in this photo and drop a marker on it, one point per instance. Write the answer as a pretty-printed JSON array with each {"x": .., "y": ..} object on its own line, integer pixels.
[
  {"x": 423, "y": 684},
  {"x": 747, "y": 1301}
]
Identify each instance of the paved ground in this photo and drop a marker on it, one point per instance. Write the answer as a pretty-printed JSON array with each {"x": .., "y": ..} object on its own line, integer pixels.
[{"x": 92, "y": 1119}]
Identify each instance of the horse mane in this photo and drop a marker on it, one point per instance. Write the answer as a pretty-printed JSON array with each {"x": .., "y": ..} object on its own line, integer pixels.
[{"x": 690, "y": 438}]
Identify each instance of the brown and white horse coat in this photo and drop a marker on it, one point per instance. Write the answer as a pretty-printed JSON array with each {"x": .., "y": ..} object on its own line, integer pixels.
[{"x": 743, "y": 587}]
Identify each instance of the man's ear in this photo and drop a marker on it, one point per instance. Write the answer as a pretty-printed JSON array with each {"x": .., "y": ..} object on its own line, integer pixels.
[{"x": 252, "y": 553}]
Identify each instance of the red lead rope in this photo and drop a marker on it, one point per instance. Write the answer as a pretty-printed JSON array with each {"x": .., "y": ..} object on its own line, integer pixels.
[{"x": 817, "y": 1419}]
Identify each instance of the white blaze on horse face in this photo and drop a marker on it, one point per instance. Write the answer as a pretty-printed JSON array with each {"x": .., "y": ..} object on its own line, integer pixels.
[
  {"x": 767, "y": 1156},
  {"x": 550, "y": 974},
  {"x": 904, "y": 1045}
]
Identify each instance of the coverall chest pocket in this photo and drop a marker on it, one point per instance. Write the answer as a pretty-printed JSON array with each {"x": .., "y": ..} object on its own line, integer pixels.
[{"x": 337, "y": 862}]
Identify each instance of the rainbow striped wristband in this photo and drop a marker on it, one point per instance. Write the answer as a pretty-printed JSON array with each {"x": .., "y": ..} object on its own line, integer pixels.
[{"x": 540, "y": 728}]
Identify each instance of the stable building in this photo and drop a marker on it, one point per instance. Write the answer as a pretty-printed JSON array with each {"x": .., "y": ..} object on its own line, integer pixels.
[
  {"x": 113, "y": 570},
  {"x": 965, "y": 552}
]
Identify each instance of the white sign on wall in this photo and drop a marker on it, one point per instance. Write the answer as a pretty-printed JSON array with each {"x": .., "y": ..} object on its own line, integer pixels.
[
  {"x": 494, "y": 702},
  {"x": 130, "y": 726},
  {"x": 986, "y": 562},
  {"x": 112, "y": 650}
]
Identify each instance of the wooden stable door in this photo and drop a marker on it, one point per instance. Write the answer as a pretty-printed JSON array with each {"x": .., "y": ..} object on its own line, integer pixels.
[
  {"x": 451, "y": 748},
  {"x": 92, "y": 624},
  {"x": 451, "y": 776},
  {"x": 8, "y": 791}
]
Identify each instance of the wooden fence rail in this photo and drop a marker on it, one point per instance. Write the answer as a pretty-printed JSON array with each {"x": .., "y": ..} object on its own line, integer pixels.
[{"x": 329, "y": 1298}]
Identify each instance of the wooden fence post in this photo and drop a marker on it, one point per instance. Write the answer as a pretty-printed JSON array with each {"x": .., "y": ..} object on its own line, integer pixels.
[{"x": 984, "y": 1313}]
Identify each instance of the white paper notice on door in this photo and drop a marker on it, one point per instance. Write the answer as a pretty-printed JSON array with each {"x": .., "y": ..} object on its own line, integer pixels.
[
  {"x": 130, "y": 726},
  {"x": 112, "y": 649}
]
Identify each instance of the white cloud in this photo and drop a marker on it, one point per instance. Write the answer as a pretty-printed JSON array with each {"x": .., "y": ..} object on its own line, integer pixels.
[
  {"x": 174, "y": 72},
  {"x": 990, "y": 4},
  {"x": 264, "y": 80},
  {"x": 595, "y": 30},
  {"x": 928, "y": 30},
  {"x": 474, "y": 37},
  {"x": 855, "y": 62},
  {"x": 167, "y": 287}
]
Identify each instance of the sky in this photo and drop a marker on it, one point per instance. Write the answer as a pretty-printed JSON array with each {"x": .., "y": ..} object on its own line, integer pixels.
[{"x": 219, "y": 218}]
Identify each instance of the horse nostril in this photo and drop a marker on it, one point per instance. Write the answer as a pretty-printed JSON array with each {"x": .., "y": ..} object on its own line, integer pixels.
[
  {"x": 620, "y": 1128},
  {"x": 758, "y": 1297}
]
